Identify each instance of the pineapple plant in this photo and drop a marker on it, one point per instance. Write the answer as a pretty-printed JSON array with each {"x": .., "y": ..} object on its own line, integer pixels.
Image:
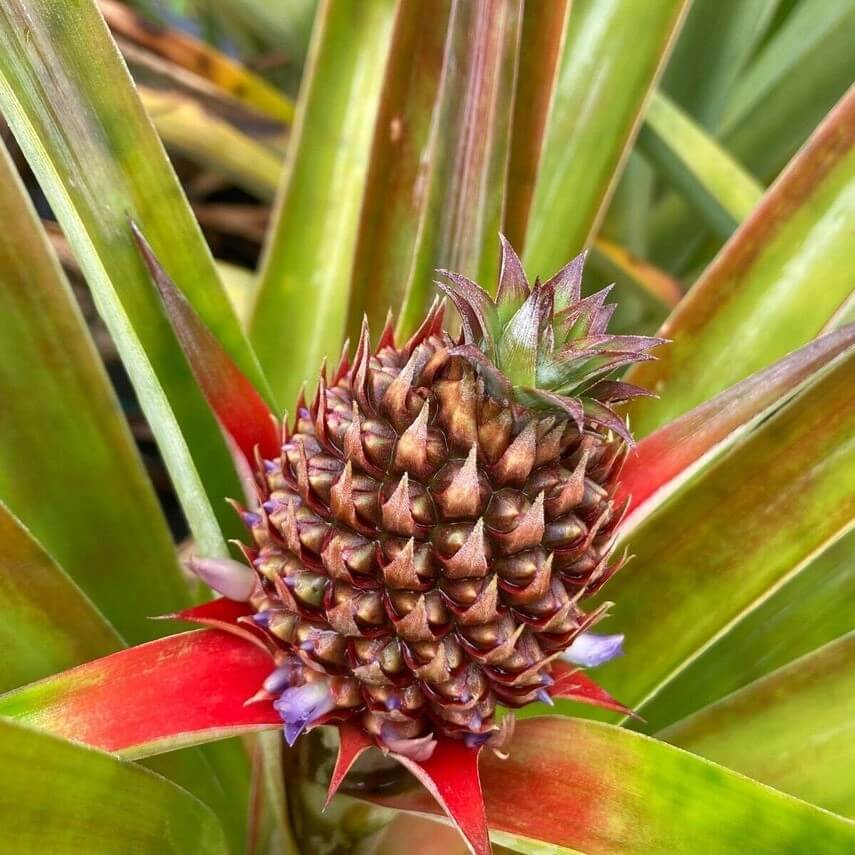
[{"x": 411, "y": 603}]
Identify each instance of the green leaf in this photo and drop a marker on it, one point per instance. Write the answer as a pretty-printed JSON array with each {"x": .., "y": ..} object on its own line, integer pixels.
[
  {"x": 797, "y": 78},
  {"x": 68, "y": 466},
  {"x": 793, "y": 729},
  {"x": 714, "y": 46},
  {"x": 99, "y": 161},
  {"x": 62, "y": 798},
  {"x": 302, "y": 301},
  {"x": 544, "y": 30},
  {"x": 709, "y": 178},
  {"x": 612, "y": 56},
  {"x": 469, "y": 153},
  {"x": 811, "y": 609},
  {"x": 48, "y": 622},
  {"x": 718, "y": 548},
  {"x": 773, "y": 287},
  {"x": 594, "y": 788},
  {"x": 393, "y": 208}
]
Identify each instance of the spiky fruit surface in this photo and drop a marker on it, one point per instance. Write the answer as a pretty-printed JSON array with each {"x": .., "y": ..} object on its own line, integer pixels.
[{"x": 442, "y": 509}]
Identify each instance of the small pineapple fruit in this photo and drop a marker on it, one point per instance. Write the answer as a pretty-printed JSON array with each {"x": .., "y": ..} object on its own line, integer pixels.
[{"x": 440, "y": 512}]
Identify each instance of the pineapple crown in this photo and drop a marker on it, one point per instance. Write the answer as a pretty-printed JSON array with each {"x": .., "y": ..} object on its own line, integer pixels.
[{"x": 544, "y": 346}]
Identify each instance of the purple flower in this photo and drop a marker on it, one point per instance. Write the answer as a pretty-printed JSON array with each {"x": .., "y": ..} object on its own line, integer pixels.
[
  {"x": 590, "y": 650},
  {"x": 226, "y": 576},
  {"x": 303, "y": 705}
]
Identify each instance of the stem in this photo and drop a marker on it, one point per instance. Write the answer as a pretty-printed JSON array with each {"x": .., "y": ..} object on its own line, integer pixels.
[{"x": 348, "y": 825}]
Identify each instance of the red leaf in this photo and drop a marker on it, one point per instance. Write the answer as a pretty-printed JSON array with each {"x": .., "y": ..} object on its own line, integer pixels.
[
  {"x": 659, "y": 460},
  {"x": 164, "y": 693},
  {"x": 353, "y": 740},
  {"x": 575, "y": 685},
  {"x": 235, "y": 402},
  {"x": 451, "y": 777},
  {"x": 222, "y": 612},
  {"x": 225, "y": 614}
]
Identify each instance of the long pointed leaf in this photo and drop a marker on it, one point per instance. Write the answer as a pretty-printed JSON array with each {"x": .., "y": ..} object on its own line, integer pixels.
[
  {"x": 240, "y": 409},
  {"x": 68, "y": 467},
  {"x": 300, "y": 312},
  {"x": 48, "y": 622},
  {"x": 761, "y": 298},
  {"x": 396, "y": 196},
  {"x": 62, "y": 798},
  {"x": 709, "y": 178},
  {"x": 715, "y": 45},
  {"x": 810, "y": 610},
  {"x": 544, "y": 30},
  {"x": 784, "y": 93},
  {"x": 180, "y": 690},
  {"x": 599, "y": 789},
  {"x": 468, "y": 156},
  {"x": 793, "y": 730},
  {"x": 722, "y": 545},
  {"x": 663, "y": 461},
  {"x": 99, "y": 161},
  {"x": 612, "y": 57}
]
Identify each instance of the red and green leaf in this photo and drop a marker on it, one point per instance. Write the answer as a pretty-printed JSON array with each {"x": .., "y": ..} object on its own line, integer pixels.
[
  {"x": 663, "y": 461},
  {"x": 241, "y": 410},
  {"x": 599, "y": 789},
  {"x": 181, "y": 690},
  {"x": 759, "y": 299},
  {"x": 722, "y": 545}
]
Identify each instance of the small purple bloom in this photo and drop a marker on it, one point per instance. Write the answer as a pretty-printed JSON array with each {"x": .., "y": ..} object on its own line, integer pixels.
[
  {"x": 226, "y": 576},
  {"x": 300, "y": 706},
  {"x": 590, "y": 650},
  {"x": 261, "y": 618},
  {"x": 544, "y": 697},
  {"x": 279, "y": 679},
  {"x": 251, "y": 518}
]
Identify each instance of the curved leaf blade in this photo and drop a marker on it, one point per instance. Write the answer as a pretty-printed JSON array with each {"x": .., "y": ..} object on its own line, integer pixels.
[
  {"x": 722, "y": 545},
  {"x": 468, "y": 155},
  {"x": 98, "y": 804},
  {"x": 198, "y": 57},
  {"x": 177, "y": 691},
  {"x": 664, "y": 460},
  {"x": 793, "y": 729},
  {"x": 794, "y": 81},
  {"x": 715, "y": 44},
  {"x": 706, "y": 175},
  {"x": 612, "y": 56},
  {"x": 810, "y": 610},
  {"x": 61, "y": 431},
  {"x": 594, "y": 788},
  {"x": 99, "y": 161},
  {"x": 300, "y": 312},
  {"x": 758, "y": 300},
  {"x": 48, "y": 622}
]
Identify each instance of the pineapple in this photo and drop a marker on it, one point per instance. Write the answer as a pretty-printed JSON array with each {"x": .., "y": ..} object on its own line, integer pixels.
[{"x": 438, "y": 515}]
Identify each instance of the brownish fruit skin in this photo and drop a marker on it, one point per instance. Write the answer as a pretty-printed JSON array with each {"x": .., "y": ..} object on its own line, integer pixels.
[{"x": 427, "y": 544}]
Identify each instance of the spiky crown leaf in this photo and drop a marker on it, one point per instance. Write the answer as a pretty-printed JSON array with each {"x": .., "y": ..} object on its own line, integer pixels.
[{"x": 544, "y": 345}]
